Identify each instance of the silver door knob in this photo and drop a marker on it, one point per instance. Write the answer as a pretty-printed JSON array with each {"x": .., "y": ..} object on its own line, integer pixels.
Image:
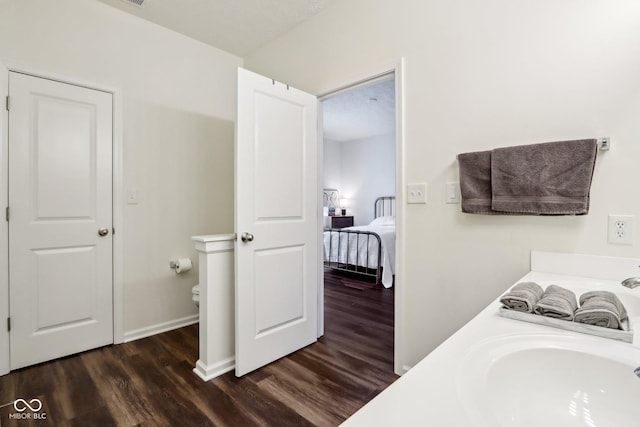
[
  {"x": 247, "y": 237},
  {"x": 103, "y": 231}
]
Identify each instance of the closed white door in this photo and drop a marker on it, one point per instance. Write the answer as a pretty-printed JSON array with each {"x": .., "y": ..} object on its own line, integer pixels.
[
  {"x": 60, "y": 226},
  {"x": 276, "y": 221}
]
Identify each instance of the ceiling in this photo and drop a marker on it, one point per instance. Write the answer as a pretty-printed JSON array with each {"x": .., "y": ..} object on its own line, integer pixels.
[
  {"x": 242, "y": 26},
  {"x": 362, "y": 112},
  {"x": 236, "y": 26}
]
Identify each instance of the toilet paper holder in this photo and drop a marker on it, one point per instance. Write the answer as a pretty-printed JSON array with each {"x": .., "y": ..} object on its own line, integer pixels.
[{"x": 180, "y": 265}]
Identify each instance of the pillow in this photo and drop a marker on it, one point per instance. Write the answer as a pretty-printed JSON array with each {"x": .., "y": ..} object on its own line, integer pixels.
[{"x": 383, "y": 221}]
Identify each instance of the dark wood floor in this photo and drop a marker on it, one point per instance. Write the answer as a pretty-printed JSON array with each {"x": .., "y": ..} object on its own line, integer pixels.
[{"x": 150, "y": 381}]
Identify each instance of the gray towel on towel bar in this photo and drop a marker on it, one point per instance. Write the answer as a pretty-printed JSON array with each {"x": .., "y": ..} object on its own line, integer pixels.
[
  {"x": 522, "y": 297},
  {"x": 601, "y": 308},
  {"x": 552, "y": 178},
  {"x": 475, "y": 182},
  {"x": 557, "y": 302}
]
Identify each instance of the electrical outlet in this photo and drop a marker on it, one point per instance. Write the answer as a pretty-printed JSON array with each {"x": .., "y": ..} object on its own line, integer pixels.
[{"x": 621, "y": 229}]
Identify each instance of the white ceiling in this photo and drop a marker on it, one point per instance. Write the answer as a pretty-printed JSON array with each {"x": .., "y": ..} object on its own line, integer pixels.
[
  {"x": 241, "y": 26},
  {"x": 236, "y": 26},
  {"x": 362, "y": 112}
]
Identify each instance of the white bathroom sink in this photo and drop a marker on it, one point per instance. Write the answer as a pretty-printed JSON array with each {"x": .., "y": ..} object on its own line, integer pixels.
[
  {"x": 552, "y": 380},
  {"x": 502, "y": 372}
]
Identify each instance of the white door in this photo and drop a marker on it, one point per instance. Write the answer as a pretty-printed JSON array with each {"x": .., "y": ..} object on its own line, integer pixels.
[
  {"x": 276, "y": 211},
  {"x": 60, "y": 245}
]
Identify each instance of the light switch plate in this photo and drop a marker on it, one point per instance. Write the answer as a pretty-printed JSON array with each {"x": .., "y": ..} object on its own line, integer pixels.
[
  {"x": 417, "y": 193},
  {"x": 132, "y": 196},
  {"x": 452, "y": 191}
]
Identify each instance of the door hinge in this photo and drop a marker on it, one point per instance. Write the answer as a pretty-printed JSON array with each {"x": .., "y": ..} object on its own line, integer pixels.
[
  {"x": 6, "y": 213},
  {"x": 8, "y": 324},
  {"x": 7, "y": 103}
]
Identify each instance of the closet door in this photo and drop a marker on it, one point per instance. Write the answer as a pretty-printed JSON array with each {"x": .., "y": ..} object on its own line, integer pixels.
[{"x": 60, "y": 199}]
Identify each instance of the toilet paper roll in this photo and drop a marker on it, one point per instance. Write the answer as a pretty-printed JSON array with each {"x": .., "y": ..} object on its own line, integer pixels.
[{"x": 183, "y": 264}]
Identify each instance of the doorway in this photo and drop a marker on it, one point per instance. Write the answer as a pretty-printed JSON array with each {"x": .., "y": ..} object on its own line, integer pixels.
[{"x": 363, "y": 161}]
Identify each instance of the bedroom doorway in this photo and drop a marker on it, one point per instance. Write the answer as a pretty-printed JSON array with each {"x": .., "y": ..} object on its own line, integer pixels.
[{"x": 361, "y": 153}]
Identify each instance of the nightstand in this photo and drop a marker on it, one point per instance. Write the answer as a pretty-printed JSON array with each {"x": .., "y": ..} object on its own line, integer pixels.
[{"x": 341, "y": 221}]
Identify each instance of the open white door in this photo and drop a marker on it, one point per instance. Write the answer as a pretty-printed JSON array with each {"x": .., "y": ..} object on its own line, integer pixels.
[{"x": 276, "y": 221}]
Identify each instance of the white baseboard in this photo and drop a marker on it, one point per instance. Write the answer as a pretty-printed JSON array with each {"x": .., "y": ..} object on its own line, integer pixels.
[
  {"x": 207, "y": 373},
  {"x": 160, "y": 328}
]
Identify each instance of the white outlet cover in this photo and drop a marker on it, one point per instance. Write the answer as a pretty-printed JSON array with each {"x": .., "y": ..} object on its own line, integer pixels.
[{"x": 620, "y": 230}]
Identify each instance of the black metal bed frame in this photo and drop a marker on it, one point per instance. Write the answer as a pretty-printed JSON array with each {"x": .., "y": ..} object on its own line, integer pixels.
[{"x": 383, "y": 206}]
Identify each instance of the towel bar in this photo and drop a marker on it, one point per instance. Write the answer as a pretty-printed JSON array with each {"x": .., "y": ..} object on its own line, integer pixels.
[{"x": 604, "y": 143}]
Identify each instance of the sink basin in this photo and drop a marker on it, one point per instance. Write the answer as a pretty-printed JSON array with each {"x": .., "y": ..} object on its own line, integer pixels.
[{"x": 552, "y": 380}]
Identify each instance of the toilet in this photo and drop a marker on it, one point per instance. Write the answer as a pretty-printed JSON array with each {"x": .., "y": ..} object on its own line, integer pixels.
[{"x": 195, "y": 291}]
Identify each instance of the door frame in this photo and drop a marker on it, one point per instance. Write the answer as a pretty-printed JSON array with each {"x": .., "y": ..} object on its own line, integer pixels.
[
  {"x": 117, "y": 200},
  {"x": 397, "y": 69}
]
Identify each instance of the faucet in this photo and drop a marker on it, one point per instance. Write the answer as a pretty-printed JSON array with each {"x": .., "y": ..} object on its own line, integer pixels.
[{"x": 631, "y": 282}]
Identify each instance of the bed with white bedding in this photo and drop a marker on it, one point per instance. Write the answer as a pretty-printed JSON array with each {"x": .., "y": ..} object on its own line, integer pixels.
[{"x": 367, "y": 250}]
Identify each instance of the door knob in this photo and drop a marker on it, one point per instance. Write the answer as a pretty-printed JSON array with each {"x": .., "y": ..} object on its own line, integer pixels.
[
  {"x": 103, "y": 231},
  {"x": 247, "y": 237}
]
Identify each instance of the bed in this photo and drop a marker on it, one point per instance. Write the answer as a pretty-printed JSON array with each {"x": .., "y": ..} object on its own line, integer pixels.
[{"x": 368, "y": 250}]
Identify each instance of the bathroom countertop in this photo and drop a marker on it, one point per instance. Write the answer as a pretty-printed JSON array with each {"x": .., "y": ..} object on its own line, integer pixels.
[{"x": 433, "y": 391}]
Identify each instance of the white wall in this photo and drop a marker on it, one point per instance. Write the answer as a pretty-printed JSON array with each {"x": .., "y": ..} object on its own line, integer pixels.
[
  {"x": 177, "y": 127},
  {"x": 480, "y": 75},
  {"x": 332, "y": 164},
  {"x": 365, "y": 171},
  {"x": 368, "y": 172}
]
